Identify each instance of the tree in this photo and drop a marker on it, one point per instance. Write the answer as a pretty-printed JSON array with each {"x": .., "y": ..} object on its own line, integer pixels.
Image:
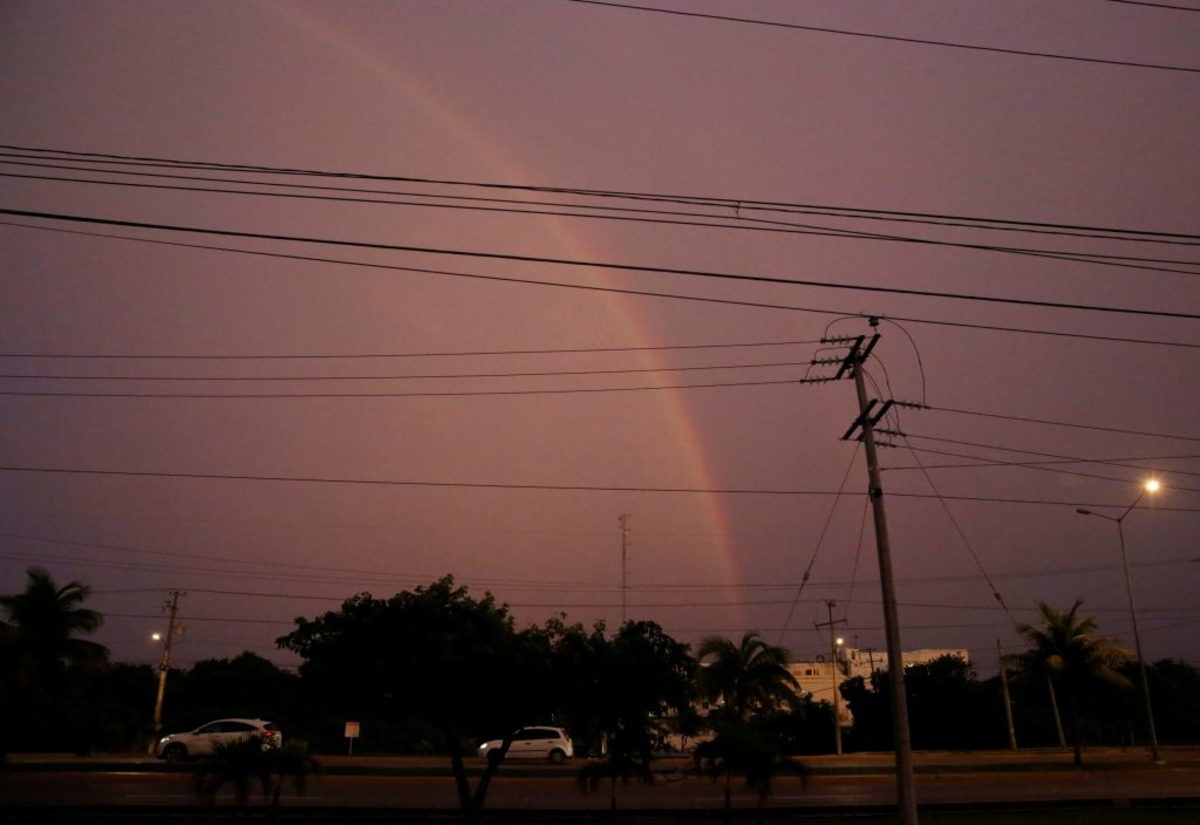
[
  {"x": 616, "y": 694},
  {"x": 38, "y": 642},
  {"x": 750, "y": 683},
  {"x": 1176, "y": 686},
  {"x": 436, "y": 653},
  {"x": 44, "y": 622},
  {"x": 747, "y": 678},
  {"x": 870, "y": 705},
  {"x": 1063, "y": 647},
  {"x": 245, "y": 686},
  {"x": 950, "y": 709}
]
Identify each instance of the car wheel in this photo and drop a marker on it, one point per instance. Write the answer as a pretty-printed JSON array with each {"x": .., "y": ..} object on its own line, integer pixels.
[
  {"x": 557, "y": 756},
  {"x": 175, "y": 752}
]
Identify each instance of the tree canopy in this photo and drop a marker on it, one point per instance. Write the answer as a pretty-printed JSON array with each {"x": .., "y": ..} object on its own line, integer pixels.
[
  {"x": 436, "y": 653},
  {"x": 746, "y": 678},
  {"x": 1064, "y": 646}
]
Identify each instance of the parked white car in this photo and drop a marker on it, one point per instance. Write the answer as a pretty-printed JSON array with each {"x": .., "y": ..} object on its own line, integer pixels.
[
  {"x": 202, "y": 741},
  {"x": 533, "y": 743}
]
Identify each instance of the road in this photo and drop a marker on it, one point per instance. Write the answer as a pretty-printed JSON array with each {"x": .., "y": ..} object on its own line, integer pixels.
[{"x": 862, "y": 782}]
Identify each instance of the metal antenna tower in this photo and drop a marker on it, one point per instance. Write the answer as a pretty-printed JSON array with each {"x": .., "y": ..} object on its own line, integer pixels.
[{"x": 625, "y": 517}]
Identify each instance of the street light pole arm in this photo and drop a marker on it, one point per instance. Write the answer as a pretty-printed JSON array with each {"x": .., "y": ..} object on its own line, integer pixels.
[{"x": 1129, "y": 509}]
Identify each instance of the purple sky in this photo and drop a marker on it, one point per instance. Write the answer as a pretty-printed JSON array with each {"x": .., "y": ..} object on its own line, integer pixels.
[{"x": 559, "y": 94}]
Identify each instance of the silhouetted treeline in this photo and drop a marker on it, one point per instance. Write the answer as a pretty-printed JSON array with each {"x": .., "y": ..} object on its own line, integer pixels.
[{"x": 435, "y": 671}]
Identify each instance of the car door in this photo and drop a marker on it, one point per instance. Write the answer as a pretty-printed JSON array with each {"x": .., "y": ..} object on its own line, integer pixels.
[
  {"x": 523, "y": 743},
  {"x": 235, "y": 732},
  {"x": 202, "y": 739},
  {"x": 537, "y": 742}
]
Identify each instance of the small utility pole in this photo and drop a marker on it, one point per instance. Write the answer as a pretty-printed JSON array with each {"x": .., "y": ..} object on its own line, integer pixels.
[
  {"x": 164, "y": 663},
  {"x": 833, "y": 660},
  {"x": 868, "y": 418},
  {"x": 625, "y": 517},
  {"x": 1012, "y": 732},
  {"x": 1058, "y": 727}
]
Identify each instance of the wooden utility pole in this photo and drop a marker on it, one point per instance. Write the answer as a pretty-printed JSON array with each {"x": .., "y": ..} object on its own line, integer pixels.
[
  {"x": 1058, "y": 727},
  {"x": 833, "y": 661},
  {"x": 1012, "y": 732},
  {"x": 868, "y": 417},
  {"x": 164, "y": 663}
]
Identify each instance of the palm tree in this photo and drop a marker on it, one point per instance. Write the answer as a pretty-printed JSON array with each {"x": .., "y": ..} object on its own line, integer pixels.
[
  {"x": 749, "y": 682},
  {"x": 38, "y": 640},
  {"x": 43, "y": 624},
  {"x": 747, "y": 678},
  {"x": 1064, "y": 646}
]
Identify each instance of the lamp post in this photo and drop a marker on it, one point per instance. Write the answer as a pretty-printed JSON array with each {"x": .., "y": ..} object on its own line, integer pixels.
[{"x": 1150, "y": 486}]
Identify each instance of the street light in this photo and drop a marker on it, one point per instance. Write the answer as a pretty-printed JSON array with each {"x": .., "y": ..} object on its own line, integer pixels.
[{"x": 1151, "y": 486}]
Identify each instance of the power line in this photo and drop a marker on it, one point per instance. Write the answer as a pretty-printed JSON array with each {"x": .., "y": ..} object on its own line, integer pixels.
[
  {"x": 736, "y": 205},
  {"x": 841, "y": 314},
  {"x": 567, "y": 586},
  {"x": 415, "y": 354},
  {"x": 700, "y": 220},
  {"x": 275, "y": 565},
  {"x": 1155, "y": 5},
  {"x": 984, "y": 462},
  {"x": 888, "y": 37},
  {"x": 546, "y": 487},
  {"x": 608, "y": 265},
  {"x": 405, "y": 377},
  {"x": 966, "y": 543},
  {"x": 1027, "y": 465},
  {"x": 821, "y": 538},
  {"x": 1053, "y": 423},
  {"x": 405, "y": 483},
  {"x": 420, "y": 394}
]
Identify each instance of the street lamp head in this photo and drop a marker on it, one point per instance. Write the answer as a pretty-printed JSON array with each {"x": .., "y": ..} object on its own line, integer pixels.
[
  {"x": 156, "y": 637},
  {"x": 1152, "y": 485},
  {"x": 840, "y": 640}
]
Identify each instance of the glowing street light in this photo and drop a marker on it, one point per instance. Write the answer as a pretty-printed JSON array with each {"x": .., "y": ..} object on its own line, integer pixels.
[
  {"x": 1150, "y": 486},
  {"x": 156, "y": 637}
]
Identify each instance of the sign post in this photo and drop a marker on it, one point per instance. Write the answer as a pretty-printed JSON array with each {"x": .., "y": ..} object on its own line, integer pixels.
[{"x": 351, "y": 735}]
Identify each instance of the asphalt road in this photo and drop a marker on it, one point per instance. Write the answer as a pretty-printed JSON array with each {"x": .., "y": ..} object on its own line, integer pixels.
[
  {"x": 858, "y": 782},
  {"x": 563, "y": 793}
]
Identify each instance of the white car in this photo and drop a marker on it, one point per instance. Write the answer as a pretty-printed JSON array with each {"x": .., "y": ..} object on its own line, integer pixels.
[
  {"x": 533, "y": 743},
  {"x": 203, "y": 740}
]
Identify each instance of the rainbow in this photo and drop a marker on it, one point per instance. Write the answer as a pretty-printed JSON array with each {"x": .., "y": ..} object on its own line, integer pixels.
[{"x": 507, "y": 167}]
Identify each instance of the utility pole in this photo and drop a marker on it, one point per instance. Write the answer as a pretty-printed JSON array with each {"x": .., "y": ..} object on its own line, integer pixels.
[
  {"x": 833, "y": 660},
  {"x": 1150, "y": 486},
  {"x": 868, "y": 417},
  {"x": 1058, "y": 727},
  {"x": 1012, "y": 732},
  {"x": 164, "y": 663},
  {"x": 625, "y": 517}
]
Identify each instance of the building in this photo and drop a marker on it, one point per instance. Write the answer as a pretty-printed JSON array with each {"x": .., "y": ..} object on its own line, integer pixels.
[{"x": 816, "y": 677}]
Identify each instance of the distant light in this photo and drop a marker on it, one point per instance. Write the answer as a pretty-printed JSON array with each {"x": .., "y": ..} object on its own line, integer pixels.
[
  {"x": 156, "y": 637},
  {"x": 840, "y": 640},
  {"x": 1152, "y": 485}
]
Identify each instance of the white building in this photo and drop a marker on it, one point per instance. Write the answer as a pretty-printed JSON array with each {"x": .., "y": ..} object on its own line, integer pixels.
[{"x": 816, "y": 677}]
